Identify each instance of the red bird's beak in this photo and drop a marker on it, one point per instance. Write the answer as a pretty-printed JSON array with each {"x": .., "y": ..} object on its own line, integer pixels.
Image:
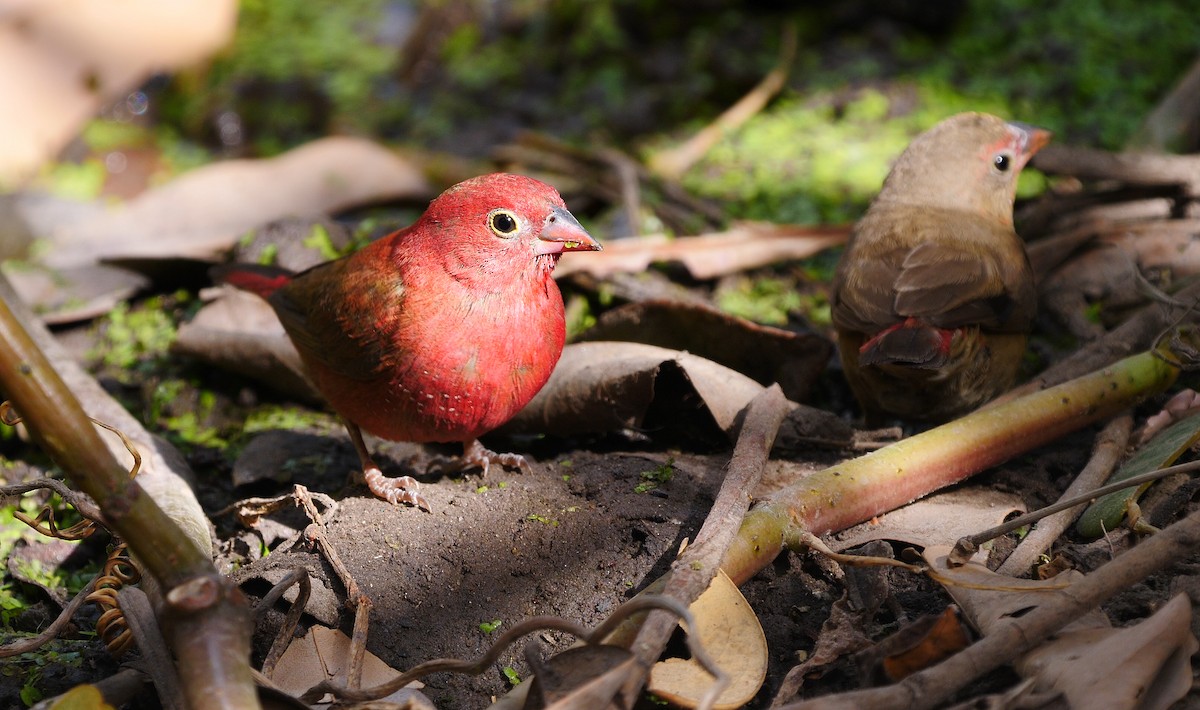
[{"x": 562, "y": 232}]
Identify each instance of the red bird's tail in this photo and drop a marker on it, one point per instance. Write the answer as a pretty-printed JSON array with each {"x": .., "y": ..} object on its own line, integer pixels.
[{"x": 255, "y": 278}]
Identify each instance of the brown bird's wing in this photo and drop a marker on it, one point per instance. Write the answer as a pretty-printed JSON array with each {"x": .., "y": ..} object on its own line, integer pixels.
[
  {"x": 324, "y": 311},
  {"x": 947, "y": 270},
  {"x": 949, "y": 286},
  {"x": 863, "y": 298}
]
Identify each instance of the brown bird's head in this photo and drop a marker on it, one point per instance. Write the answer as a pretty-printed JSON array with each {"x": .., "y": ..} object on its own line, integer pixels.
[
  {"x": 969, "y": 162},
  {"x": 495, "y": 230}
]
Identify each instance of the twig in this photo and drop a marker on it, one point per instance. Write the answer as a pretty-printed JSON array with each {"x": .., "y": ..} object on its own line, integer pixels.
[
  {"x": 1132, "y": 168},
  {"x": 33, "y": 643},
  {"x": 316, "y": 535},
  {"x": 935, "y": 685},
  {"x": 965, "y": 547},
  {"x": 634, "y": 606},
  {"x": 673, "y": 163},
  {"x": 692, "y": 573},
  {"x": 81, "y": 502},
  {"x": 1110, "y": 446},
  {"x": 288, "y": 628},
  {"x": 140, "y": 617}
]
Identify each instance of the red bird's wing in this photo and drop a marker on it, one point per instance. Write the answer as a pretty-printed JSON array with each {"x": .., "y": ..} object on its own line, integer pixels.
[{"x": 325, "y": 311}]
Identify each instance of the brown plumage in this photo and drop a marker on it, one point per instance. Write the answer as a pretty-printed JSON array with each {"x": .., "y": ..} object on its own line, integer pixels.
[{"x": 933, "y": 298}]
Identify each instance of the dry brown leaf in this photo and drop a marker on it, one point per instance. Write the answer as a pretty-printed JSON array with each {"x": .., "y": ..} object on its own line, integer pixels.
[
  {"x": 584, "y": 678},
  {"x": 767, "y": 354},
  {"x": 605, "y": 386},
  {"x": 939, "y": 638},
  {"x": 842, "y": 633},
  {"x": 729, "y": 631},
  {"x": 706, "y": 256},
  {"x": 68, "y": 295},
  {"x": 988, "y": 599},
  {"x": 1145, "y": 666},
  {"x": 937, "y": 520},
  {"x": 202, "y": 213},
  {"x": 240, "y": 333},
  {"x": 77, "y": 55},
  {"x": 1093, "y": 665},
  {"x": 323, "y": 654}
]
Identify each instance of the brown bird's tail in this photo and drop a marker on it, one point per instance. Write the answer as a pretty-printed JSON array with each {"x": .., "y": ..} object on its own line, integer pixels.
[
  {"x": 255, "y": 278},
  {"x": 910, "y": 343}
]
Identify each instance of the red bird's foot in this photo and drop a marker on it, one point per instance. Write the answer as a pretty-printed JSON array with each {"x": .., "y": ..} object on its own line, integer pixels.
[
  {"x": 401, "y": 489},
  {"x": 474, "y": 454}
]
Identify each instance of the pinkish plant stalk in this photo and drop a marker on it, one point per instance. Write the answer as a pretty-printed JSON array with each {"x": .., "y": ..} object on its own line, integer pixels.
[{"x": 859, "y": 489}]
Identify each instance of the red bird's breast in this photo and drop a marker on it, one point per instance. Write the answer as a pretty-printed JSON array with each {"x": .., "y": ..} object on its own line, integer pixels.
[{"x": 451, "y": 364}]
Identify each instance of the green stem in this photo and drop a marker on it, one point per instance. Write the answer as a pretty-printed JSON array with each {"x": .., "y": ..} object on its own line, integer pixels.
[{"x": 859, "y": 489}]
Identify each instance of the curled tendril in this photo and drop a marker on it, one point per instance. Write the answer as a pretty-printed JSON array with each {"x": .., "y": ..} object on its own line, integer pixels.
[
  {"x": 119, "y": 571},
  {"x": 78, "y": 531},
  {"x": 10, "y": 416}
]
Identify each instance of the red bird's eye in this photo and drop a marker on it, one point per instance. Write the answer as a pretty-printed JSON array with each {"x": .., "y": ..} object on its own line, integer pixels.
[
  {"x": 503, "y": 223},
  {"x": 1002, "y": 162}
]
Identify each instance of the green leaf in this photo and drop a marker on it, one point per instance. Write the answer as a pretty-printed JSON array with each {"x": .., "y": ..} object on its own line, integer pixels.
[{"x": 1108, "y": 512}]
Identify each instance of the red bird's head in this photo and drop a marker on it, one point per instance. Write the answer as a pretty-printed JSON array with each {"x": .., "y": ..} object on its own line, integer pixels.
[
  {"x": 968, "y": 162},
  {"x": 494, "y": 230}
]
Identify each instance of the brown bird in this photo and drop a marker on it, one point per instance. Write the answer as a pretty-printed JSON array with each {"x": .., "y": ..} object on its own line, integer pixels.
[{"x": 933, "y": 299}]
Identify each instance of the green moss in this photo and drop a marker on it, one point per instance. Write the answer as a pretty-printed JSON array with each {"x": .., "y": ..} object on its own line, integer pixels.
[
  {"x": 272, "y": 417},
  {"x": 656, "y": 476},
  {"x": 319, "y": 240},
  {"x": 821, "y": 159},
  {"x": 1089, "y": 71},
  {"x": 138, "y": 336},
  {"x": 763, "y": 300}
]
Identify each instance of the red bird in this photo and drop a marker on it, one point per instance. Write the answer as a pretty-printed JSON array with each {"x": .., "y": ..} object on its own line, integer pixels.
[
  {"x": 439, "y": 332},
  {"x": 933, "y": 298}
]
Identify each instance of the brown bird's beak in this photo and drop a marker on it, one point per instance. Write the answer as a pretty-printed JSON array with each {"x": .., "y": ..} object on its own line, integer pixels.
[
  {"x": 1033, "y": 138},
  {"x": 562, "y": 232}
]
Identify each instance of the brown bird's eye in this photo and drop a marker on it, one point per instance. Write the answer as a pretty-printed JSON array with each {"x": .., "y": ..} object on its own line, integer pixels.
[
  {"x": 1002, "y": 162},
  {"x": 503, "y": 223}
]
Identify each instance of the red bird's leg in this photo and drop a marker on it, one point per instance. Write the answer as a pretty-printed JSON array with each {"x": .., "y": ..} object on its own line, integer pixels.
[
  {"x": 401, "y": 489},
  {"x": 474, "y": 454}
]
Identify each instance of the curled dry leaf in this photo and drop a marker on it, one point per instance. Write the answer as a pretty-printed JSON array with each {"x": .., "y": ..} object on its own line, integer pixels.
[
  {"x": 706, "y": 256},
  {"x": 322, "y": 654},
  {"x": 766, "y": 354},
  {"x": 604, "y": 386},
  {"x": 202, "y": 213},
  {"x": 730, "y": 632}
]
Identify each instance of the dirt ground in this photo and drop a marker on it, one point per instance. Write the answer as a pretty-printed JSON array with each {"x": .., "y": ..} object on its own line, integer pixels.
[{"x": 574, "y": 539}]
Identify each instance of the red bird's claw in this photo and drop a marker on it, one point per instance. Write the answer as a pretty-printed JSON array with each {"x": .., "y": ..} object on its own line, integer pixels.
[
  {"x": 476, "y": 455},
  {"x": 401, "y": 489}
]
